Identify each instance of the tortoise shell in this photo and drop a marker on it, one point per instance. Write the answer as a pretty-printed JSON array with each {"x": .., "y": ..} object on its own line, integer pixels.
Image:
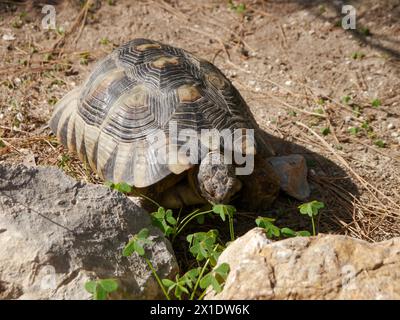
[{"x": 136, "y": 91}]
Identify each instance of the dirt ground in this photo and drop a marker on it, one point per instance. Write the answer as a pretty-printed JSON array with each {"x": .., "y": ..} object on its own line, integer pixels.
[{"x": 330, "y": 94}]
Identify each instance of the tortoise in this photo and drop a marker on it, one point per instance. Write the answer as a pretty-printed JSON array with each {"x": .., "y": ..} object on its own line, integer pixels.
[{"x": 140, "y": 89}]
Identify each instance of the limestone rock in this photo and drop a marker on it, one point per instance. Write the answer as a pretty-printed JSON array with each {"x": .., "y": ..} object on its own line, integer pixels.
[
  {"x": 322, "y": 267},
  {"x": 56, "y": 233}
]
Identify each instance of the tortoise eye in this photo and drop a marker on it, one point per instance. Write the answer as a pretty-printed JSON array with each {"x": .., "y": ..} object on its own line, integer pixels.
[{"x": 217, "y": 80}]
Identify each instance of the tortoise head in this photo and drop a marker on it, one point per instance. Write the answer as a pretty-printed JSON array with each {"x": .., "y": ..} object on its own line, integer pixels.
[{"x": 217, "y": 181}]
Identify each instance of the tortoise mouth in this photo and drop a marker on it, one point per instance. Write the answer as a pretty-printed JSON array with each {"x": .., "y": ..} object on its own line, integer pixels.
[{"x": 222, "y": 193}]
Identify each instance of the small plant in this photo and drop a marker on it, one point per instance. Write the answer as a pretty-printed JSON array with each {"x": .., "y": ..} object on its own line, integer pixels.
[
  {"x": 325, "y": 131},
  {"x": 204, "y": 247},
  {"x": 85, "y": 58},
  {"x": 357, "y": 55},
  {"x": 63, "y": 161},
  {"x": 376, "y": 103},
  {"x": 104, "y": 41},
  {"x": 365, "y": 31},
  {"x": 380, "y": 143},
  {"x": 287, "y": 232},
  {"x": 366, "y": 126},
  {"x": 238, "y": 8},
  {"x": 100, "y": 289},
  {"x": 136, "y": 244},
  {"x": 215, "y": 278},
  {"x": 52, "y": 101},
  {"x": 346, "y": 99},
  {"x": 225, "y": 210},
  {"x": 17, "y": 23},
  {"x": 182, "y": 284},
  {"x": 165, "y": 221},
  {"x": 48, "y": 57},
  {"x": 354, "y": 130},
  {"x": 272, "y": 231},
  {"x": 269, "y": 227},
  {"x": 356, "y": 110},
  {"x": 121, "y": 187},
  {"x": 311, "y": 209}
]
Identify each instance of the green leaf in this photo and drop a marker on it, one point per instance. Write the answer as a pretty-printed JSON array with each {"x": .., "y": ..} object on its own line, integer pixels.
[
  {"x": 287, "y": 232},
  {"x": 207, "y": 280},
  {"x": 129, "y": 248},
  {"x": 215, "y": 278},
  {"x": 202, "y": 244},
  {"x": 267, "y": 224},
  {"x": 109, "y": 184},
  {"x": 303, "y": 233},
  {"x": 170, "y": 219},
  {"x": 100, "y": 294},
  {"x": 241, "y": 8},
  {"x": 90, "y": 286},
  {"x": 223, "y": 269},
  {"x": 143, "y": 234},
  {"x": 138, "y": 248},
  {"x": 161, "y": 219},
  {"x": 311, "y": 208},
  {"x": 109, "y": 285},
  {"x": 179, "y": 290},
  {"x": 200, "y": 219},
  {"x": 223, "y": 210},
  {"x": 167, "y": 282},
  {"x": 123, "y": 187},
  {"x": 136, "y": 243},
  {"x": 190, "y": 277}
]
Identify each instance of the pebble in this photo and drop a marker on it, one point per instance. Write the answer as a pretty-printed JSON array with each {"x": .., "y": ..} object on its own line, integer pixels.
[
  {"x": 252, "y": 83},
  {"x": 347, "y": 119},
  {"x": 390, "y": 126},
  {"x": 19, "y": 117},
  {"x": 8, "y": 37},
  {"x": 288, "y": 83}
]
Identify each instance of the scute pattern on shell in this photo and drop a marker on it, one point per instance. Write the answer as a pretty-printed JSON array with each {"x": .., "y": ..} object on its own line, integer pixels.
[{"x": 135, "y": 91}]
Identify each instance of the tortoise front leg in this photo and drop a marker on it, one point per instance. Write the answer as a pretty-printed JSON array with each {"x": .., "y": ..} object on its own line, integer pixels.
[
  {"x": 261, "y": 187},
  {"x": 181, "y": 195}
]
